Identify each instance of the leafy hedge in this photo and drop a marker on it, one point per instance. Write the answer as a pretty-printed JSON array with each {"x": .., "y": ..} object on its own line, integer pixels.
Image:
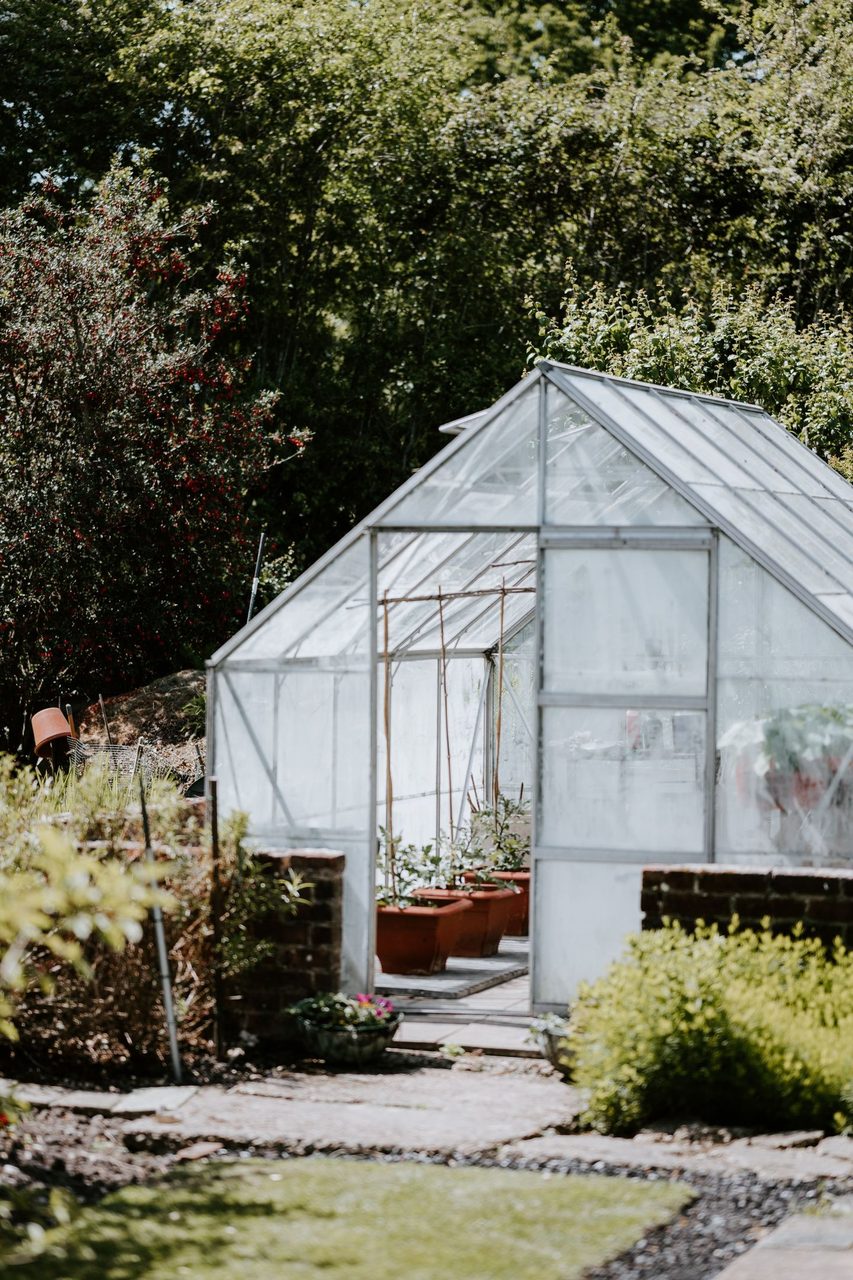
[
  {"x": 88, "y": 992},
  {"x": 743, "y": 1028}
]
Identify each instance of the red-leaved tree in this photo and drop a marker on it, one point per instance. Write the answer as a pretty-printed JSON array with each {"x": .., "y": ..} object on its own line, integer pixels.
[{"x": 128, "y": 445}]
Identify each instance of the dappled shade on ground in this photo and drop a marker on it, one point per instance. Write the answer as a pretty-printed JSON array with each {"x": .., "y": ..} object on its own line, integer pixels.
[{"x": 366, "y": 1221}]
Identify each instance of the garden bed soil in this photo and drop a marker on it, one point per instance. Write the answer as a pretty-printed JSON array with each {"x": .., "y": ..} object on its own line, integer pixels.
[{"x": 156, "y": 713}]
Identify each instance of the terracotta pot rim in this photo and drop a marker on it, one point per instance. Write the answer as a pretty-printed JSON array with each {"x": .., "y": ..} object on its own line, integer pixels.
[
  {"x": 426, "y": 909},
  {"x": 487, "y": 891}
]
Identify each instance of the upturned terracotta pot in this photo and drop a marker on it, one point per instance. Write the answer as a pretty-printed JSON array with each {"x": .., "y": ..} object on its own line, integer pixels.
[
  {"x": 518, "y": 925},
  {"x": 484, "y": 925},
  {"x": 418, "y": 939},
  {"x": 49, "y": 726}
]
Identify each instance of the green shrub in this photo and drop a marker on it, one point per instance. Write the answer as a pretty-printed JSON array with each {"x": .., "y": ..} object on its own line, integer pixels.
[{"x": 747, "y": 1028}]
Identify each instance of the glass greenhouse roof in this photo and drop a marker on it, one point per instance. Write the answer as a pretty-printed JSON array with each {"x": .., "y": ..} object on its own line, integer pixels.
[
  {"x": 744, "y": 472},
  {"x": 455, "y": 546}
]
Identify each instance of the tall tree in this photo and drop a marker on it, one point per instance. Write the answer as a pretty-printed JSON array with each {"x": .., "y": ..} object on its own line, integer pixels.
[{"x": 127, "y": 451}]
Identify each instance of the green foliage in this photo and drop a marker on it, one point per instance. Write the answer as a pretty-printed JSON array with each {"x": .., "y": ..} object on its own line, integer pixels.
[
  {"x": 339, "y": 1010},
  {"x": 195, "y": 715},
  {"x": 354, "y": 1220},
  {"x": 502, "y": 834},
  {"x": 745, "y": 346},
  {"x": 127, "y": 446},
  {"x": 396, "y": 197},
  {"x": 747, "y": 1028},
  {"x": 74, "y": 895}
]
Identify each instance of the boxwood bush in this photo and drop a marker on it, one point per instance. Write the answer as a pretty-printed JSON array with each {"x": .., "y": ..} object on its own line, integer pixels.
[{"x": 739, "y": 1028}]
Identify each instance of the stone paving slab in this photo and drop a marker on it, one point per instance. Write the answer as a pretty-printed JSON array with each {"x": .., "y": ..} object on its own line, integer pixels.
[
  {"x": 142, "y": 1102},
  {"x": 418, "y": 1033},
  {"x": 422, "y": 1110},
  {"x": 463, "y": 977},
  {"x": 805, "y": 1247},
  {"x": 487, "y": 1037},
  {"x": 797, "y": 1164}
]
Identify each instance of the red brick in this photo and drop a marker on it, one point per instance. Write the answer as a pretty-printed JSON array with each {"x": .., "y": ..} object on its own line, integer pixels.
[
  {"x": 698, "y": 906},
  {"x": 807, "y": 883},
  {"x": 653, "y": 877},
  {"x": 733, "y": 881},
  {"x": 830, "y": 910},
  {"x": 791, "y": 907},
  {"x": 679, "y": 879},
  {"x": 751, "y": 907}
]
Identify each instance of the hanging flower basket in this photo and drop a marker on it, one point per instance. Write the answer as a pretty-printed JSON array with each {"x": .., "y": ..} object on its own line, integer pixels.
[{"x": 346, "y": 1030}]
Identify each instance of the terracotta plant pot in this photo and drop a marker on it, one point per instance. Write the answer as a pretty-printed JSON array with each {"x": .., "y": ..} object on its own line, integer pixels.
[
  {"x": 418, "y": 939},
  {"x": 49, "y": 726},
  {"x": 518, "y": 925},
  {"x": 484, "y": 925}
]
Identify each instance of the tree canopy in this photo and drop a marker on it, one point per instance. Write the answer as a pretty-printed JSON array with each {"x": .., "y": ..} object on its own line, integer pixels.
[{"x": 400, "y": 180}]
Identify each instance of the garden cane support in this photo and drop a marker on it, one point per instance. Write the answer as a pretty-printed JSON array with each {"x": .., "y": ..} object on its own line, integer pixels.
[
  {"x": 215, "y": 918},
  {"x": 162, "y": 953}
]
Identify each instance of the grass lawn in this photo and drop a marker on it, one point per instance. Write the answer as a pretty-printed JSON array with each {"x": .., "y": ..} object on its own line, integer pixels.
[{"x": 280, "y": 1220}]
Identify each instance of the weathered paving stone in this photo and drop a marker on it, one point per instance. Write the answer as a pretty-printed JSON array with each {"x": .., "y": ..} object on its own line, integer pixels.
[
  {"x": 420, "y": 1110},
  {"x": 142, "y": 1102}
]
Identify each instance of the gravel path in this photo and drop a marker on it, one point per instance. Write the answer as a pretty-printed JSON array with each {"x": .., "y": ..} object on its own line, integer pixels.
[{"x": 91, "y": 1155}]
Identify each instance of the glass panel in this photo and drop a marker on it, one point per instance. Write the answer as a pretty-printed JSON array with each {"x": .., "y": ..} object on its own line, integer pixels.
[
  {"x": 785, "y": 551},
  {"x": 785, "y": 724},
  {"x": 678, "y": 418},
  {"x": 809, "y": 533},
  {"x": 456, "y": 564},
  {"x": 626, "y": 621},
  {"x": 243, "y": 738},
  {"x": 677, "y": 457},
  {"x": 623, "y": 779},
  {"x": 583, "y": 913},
  {"x": 814, "y": 471},
  {"x": 322, "y": 741},
  {"x": 327, "y": 616},
  {"x": 488, "y": 479},
  {"x": 518, "y": 703},
  {"x": 592, "y": 479}
]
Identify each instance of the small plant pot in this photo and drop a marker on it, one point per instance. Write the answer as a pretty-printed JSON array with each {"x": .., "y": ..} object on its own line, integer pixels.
[
  {"x": 347, "y": 1046},
  {"x": 418, "y": 939},
  {"x": 484, "y": 925},
  {"x": 518, "y": 925}
]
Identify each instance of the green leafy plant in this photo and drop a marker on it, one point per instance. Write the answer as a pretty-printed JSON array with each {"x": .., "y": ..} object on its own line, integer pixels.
[
  {"x": 748, "y": 1028},
  {"x": 342, "y": 1011},
  {"x": 502, "y": 833}
]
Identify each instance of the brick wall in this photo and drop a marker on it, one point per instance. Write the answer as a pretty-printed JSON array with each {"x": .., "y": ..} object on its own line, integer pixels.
[
  {"x": 307, "y": 948},
  {"x": 821, "y": 898}
]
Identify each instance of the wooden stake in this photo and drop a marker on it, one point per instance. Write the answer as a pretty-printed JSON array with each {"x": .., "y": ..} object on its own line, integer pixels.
[
  {"x": 390, "y": 860},
  {"x": 104, "y": 717},
  {"x": 216, "y": 919},
  {"x": 446, "y": 708}
]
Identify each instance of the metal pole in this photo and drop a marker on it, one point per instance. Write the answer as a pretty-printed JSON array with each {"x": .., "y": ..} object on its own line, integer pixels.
[
  {"x": 216, "y": 917},
  {"x": 162, "y": 953},
  {"x": 106, "y": 721},
  {"x": 69, "y": 716},
  {"x": 257, "y": 577}
]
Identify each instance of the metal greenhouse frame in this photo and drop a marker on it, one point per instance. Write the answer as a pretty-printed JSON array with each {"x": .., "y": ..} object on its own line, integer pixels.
[{"x": 654, "y": 586}]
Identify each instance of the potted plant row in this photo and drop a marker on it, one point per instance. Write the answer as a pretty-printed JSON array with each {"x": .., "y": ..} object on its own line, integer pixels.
[{"x": 453, "y": 899}]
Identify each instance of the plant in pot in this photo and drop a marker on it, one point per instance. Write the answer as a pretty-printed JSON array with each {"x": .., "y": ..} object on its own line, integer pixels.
[
  {"x": 413, "y": 936},
  {"x": 346, "y": 1030},
  {"x": 502, "y": 832},
  {"x": 459, "y": 876},
  {"x": 801, "y": 758}
]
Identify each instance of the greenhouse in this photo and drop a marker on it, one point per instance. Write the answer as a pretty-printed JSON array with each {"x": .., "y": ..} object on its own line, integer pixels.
[{"x": 631, "y": 605}]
